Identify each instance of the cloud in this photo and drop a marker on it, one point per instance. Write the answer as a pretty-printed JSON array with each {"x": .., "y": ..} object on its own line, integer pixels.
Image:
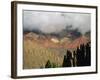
[{"x": 55, "y": 22}]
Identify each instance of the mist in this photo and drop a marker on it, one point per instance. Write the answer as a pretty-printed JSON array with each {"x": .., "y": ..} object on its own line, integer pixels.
[{"x": 55, "y": 22}]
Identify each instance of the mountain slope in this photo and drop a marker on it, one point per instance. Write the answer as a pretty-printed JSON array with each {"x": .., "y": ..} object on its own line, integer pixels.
[{"x": 77, "y": 42}]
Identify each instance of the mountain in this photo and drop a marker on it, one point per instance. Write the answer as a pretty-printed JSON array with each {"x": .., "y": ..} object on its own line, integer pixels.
[
  {"x": 88, "y": 34},
  {"x": 50, "y": 41},
  {"x": 67, "y": 32},
  {"x": 77, "y": 42},
  {"x": 34, "y": 36}
]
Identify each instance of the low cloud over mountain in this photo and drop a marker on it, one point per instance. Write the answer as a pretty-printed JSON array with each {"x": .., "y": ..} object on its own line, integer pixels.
[{"x": 56, "y": 22}]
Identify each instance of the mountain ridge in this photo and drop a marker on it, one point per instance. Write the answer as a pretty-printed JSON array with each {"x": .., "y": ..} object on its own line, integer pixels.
[{"x": 54, "y": 42}]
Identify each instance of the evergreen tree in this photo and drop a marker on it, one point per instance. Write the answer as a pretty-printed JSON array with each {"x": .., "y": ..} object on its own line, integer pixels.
[
  {"x": 48, "y": 64},
  {"x": 67, "y": 59},
  {"x": 88, "y": 55},
  {"x": 54, "y": 65},
  {"x": 74, "y": 59},
  {"x": 82, "y": 55},
  {"x": 64, "y": 61},
  {"x": 78, "y": 56}
]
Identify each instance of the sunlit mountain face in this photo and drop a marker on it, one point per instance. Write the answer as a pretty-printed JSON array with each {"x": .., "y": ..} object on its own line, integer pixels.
[{"x": 68, "y": 39}]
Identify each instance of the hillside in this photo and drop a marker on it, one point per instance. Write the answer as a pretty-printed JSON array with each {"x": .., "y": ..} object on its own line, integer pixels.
[
  {"x": 77, "y": 42},
  {"x": 55, "y": 42},
  {"x": 36, "y": 56},
  {"x": 38, "y": 49}
]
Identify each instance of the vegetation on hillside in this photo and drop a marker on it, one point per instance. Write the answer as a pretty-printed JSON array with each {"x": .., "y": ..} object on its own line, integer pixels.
[{"x": 37, "y": 55}]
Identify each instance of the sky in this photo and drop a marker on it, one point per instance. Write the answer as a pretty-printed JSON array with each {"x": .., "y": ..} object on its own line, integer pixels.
[{"x": 55, "y": 22}]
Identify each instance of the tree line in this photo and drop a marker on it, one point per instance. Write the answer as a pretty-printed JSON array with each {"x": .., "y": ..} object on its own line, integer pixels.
[{"x": 79, "y": 57}]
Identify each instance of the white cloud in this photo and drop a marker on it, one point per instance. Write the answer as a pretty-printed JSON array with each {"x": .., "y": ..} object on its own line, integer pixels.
[{"x": 49, "y": 22}]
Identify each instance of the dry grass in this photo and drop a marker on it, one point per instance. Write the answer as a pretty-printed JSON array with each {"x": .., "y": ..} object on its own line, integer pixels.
[{"x": 36, "y": 56}]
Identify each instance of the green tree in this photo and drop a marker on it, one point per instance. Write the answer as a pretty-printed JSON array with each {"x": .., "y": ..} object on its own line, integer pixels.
[
  {"x": 54, "y": 65},
  {"x": 67, "y": 59},
  {"x": 48, "y": 64},
  {"x": 64, "y": 61}
]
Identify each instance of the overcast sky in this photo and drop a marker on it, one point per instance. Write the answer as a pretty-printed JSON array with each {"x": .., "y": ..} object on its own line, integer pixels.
[{"x": 49, "y": 22}]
